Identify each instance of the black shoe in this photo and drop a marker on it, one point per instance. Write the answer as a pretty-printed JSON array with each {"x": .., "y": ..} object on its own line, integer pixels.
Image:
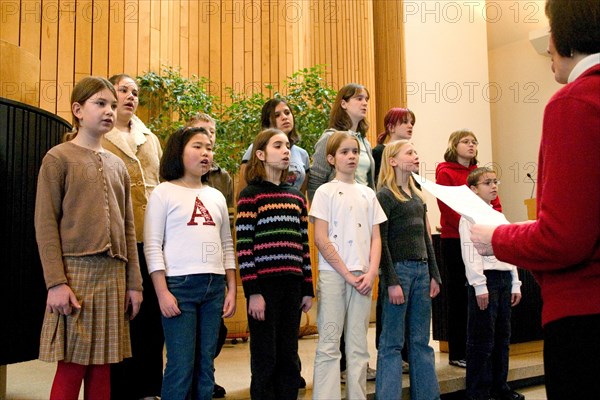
[
  {"x": 508, "y": 395},
  {"x": 302, "y": 383},
  {"x": 458, "y": 363},
  {"x": 218, "y": 392}
]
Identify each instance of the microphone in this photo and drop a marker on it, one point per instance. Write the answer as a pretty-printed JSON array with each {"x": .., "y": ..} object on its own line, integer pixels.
[{"x": 533, "y": 187}]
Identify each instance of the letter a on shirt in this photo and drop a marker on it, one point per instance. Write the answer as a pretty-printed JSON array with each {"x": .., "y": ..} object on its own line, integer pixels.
[{"x": 200, "y": 211}]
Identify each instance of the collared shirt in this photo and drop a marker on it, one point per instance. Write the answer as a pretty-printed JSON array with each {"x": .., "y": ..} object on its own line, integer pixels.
[{"x": 584, "y": 65}]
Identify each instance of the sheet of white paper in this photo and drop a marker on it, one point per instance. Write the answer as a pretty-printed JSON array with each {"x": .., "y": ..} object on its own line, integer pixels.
[{"x": 462, "y": 200}]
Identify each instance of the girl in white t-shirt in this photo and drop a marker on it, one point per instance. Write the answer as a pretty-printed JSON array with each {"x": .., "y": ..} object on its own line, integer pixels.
[
  {"x": 189, "y": 250},
  {"x": 346, "y": 216}
]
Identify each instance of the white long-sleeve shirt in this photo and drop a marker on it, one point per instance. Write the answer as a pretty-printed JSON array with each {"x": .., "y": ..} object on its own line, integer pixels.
[
  {"x": 186, "y": 231},
  {"x": 475, "y": 263}
]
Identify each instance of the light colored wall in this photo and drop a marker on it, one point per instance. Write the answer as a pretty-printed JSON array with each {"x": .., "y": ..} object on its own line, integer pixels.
[
  {"x": 516, "y": 118},
  {"x": 447, "y": 78}
]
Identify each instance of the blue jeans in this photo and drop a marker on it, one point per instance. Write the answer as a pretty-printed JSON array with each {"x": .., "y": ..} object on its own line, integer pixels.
[
  {"x": 415, "y": 313},
  {"x": 488, "y": 337},
  {"x": 191, "y": 337}
]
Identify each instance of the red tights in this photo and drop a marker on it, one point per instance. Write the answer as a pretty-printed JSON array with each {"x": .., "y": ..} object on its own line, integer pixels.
[{"x": 67, "y": 381}]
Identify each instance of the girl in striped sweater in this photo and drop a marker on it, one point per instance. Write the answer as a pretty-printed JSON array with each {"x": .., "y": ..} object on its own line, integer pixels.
[{"x": 274, "y": 261}]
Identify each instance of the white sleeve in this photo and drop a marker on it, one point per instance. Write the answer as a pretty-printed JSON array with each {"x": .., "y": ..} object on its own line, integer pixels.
[
  {"x": 226, "y": 240},
  {"x": 155, "y": 222},
  {"x": 516, "y": 283},
  {"x": 473, "y": 261}
]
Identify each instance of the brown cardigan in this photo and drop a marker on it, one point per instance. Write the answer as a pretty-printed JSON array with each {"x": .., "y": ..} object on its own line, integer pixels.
[
  {"x": 142, "y": 166},
  {"x": 83, "y": 207}
]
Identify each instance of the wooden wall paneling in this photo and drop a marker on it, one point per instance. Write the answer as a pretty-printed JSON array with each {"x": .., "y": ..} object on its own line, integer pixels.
[
  {"x": 344, "y": 75},
  {"x": 352, "y": 26},
  {"x": 320, "y": 44},
  {"x": 83, "y": 39},
  {"x": 130, "y": 37},
  {"x": 154, "y": 47},
  {"x": 295, "y": 27},
  {"x": 227, "y": 17},
  {"x": 214, "y": 49},
  {"x": 370, "y": 70},
  {"x": 330, "y": 25},
  {"x": 165, "y": 29},
  {"x": 250, "y": 20},
  {"x": 31, "y": 25},
  {"x": 10, "y": 15},
  {"x": 66, "y": 61},
  {"x": 174, "y": 36},
  {"x": 388, "y": 56},
  {"x": 279, "y": 19},
  {"x": 48, "y": 56},
  {"x": 116, "y": 29},
  {"x": 193, "y": 42},
  {"x": 204, "y": 37},
  {"x": 273, "y": 47},
  {"x": 155, "y": 26},
  {"x": 184, "y": 37},
  {"x": 257, "y": 43},
  {"x": 264, "y": 51},
  {"x": 238, "y": 62},
  {"x": 144, "y": 27},
  {"x": 100, "y": 37}
]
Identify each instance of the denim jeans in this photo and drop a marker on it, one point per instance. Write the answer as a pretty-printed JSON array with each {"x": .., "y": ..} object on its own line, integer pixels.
[
  {"x": 488, "y": 337},
  {"x": 191, "y": 337},
  {"x": 341, "y": 308},
  {"x": 415, "y": 315}
]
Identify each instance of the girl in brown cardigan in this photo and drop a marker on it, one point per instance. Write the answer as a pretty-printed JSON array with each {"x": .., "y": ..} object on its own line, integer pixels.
[{"x": 86, "y": 240}]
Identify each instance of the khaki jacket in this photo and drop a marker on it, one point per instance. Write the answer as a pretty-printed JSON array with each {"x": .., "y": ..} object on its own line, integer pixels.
[{"x": 143, "y": 165}]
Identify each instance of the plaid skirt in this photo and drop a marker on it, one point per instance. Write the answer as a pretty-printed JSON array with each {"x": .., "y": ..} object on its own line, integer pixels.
[{"x": 98, "y": 333}]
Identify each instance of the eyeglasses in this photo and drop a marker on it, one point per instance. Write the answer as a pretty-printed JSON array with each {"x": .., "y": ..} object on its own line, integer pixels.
[
  {"x": 468, "y": 142},
  {"x": 489, "y": 182}
]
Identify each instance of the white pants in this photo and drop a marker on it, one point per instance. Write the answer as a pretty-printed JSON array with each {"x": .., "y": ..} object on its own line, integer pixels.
[{"x": 341, "y": 308}]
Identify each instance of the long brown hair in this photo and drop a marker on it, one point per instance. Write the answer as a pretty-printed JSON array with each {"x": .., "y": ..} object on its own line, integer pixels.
[
  {"x": 256, "y": 171},
  {"x": 339, "y": 118}
]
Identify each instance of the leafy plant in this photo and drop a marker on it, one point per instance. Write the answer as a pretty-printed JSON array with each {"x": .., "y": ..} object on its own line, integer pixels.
[
  {"x": 171, "y": 99},
  {"x": 311, "y": 98}
]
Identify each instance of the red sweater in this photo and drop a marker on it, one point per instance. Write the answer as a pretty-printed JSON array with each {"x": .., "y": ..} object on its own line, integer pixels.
[
  {"x": 454, "y": 174},
  {"x": 562, "y": 247}
]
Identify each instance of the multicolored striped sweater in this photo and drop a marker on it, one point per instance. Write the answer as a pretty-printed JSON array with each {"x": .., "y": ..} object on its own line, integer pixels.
[{"x": 272, "y": 236}]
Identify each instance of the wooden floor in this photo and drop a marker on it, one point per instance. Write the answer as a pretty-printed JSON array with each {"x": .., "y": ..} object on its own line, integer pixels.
[{"x": 32, "y": 380}]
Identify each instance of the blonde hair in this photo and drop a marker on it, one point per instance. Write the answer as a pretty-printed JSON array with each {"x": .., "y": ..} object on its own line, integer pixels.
[
  {"x": 387, "y": 174},
  {"x": 200, "y": 117}
]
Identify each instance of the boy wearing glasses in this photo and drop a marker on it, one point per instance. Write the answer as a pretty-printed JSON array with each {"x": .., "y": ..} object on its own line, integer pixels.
[{"x": 494, "y": 287}]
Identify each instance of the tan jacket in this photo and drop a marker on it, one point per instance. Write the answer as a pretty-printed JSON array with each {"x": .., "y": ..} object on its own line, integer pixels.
[
  {"x": 143, "y": 165},
  {"x": 82, "y": 208}
]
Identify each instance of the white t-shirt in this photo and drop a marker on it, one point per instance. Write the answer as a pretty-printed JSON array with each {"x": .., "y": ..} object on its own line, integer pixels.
[
  {"x": 351, "y": 210},
  {"x": 186, "y": 231}
]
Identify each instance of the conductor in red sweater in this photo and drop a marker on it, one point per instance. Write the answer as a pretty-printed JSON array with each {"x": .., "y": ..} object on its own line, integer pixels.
[{"x": 562, "y": 247}]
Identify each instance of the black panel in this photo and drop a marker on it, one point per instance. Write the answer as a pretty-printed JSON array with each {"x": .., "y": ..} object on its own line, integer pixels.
[
  {"x": 526, "y": 320},
  {"x": 26, "y": 134}
]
